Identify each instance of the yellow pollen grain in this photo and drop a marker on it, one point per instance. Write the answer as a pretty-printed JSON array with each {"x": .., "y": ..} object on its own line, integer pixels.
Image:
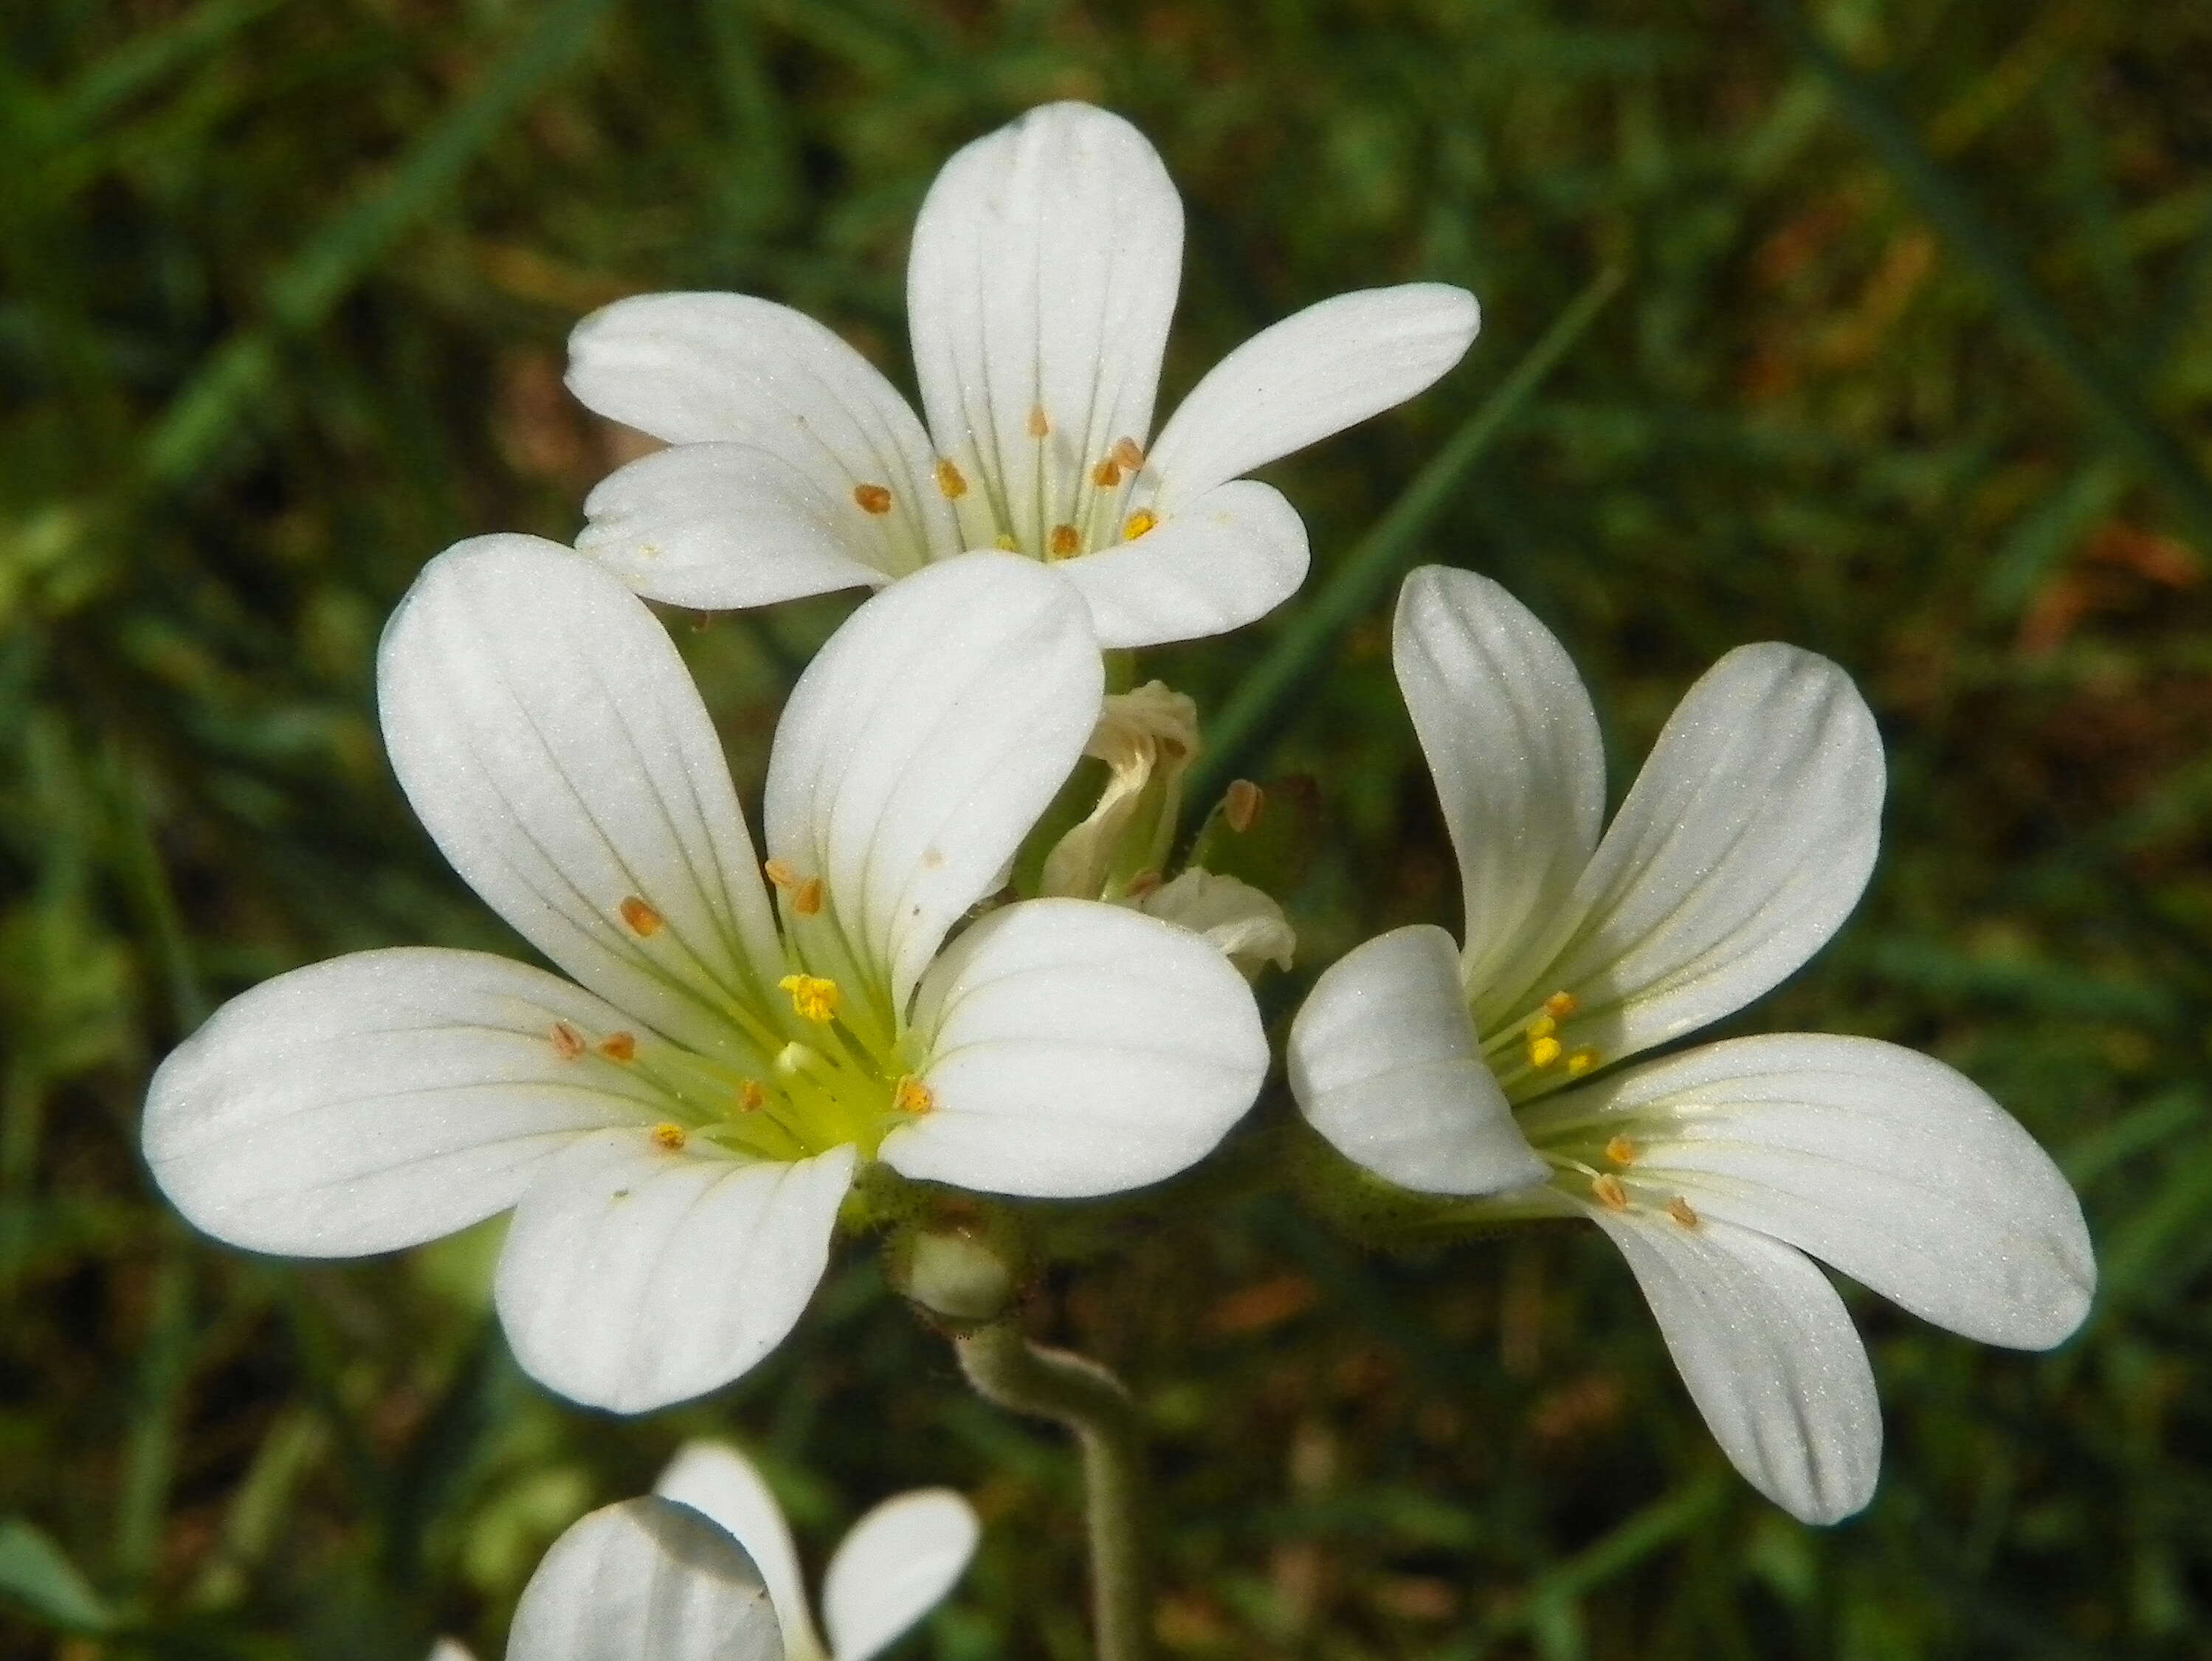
[
  {"x": 1107, "y": 474},
  {"x": 1127, "y": 451},
  {"x": 913, "y": 1096},
  {"x": 1581, "y": 1062},
  {"x": 1138, "y": 522},
  {"x": 780, "y": 872},
  {"x": 1004, "y": 542},
  {"x": 1241, "y": 805},
  {"x": 670, "y": 1138},
  {"x": 1679, "y": 1209},
  {"x": 1064, "y": 542},
  {"x": 1040, "y": 425},
  {"x": 872, "y": 498},
  {"x": 567, "y": 1042},
  {"x": 1560, "y": 1005},
  {"x": 1543, "y": 1051},
  {"x": 952, "y": 483},
  {"x": 751, "y": 1097},
  {"x": 619, "y": 1046},
  {"x": 1621, "y": 1151},
  {"x": 1542, "y": 1026},
  {"x": 807, "y": 901},
  {"x": 814, "y": 997},
  {"x": 644, "y": 921},
  {"x": 1609, "y": 1192}
]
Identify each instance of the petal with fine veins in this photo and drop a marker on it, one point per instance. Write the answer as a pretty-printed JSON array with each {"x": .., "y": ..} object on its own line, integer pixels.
[
  {"x": 1316, "y": 373},
  {"x": 894, "y": 1566},
  {"x": 378, "y": 1101},
  {"x": 1513, "y": 742},
  {"x": 722, "y": 526},
  {"x": 1742, "y": 847},
  {"x": 1769, "y": 1354},
  {"x": 645, "y": 1580},
  {"x": 920, "y": 745},
  {"x": 707, "y": 369},
  {"x": 716, "y": 1480},
  {"x": 553, "y": 745},
  {"x": 1076, "y": 1048},
  {"x": 1384, "y": 1063},
  {"x": 634, "y": 1277},
  {"x": 1044, "y": 270},
  {"x": 1890, "y": 1166},
  {"x": 1234, "y": 554}
]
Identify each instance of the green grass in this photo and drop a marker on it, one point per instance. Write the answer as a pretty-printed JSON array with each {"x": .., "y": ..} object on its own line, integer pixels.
[{"x": 1910, "y": 363}]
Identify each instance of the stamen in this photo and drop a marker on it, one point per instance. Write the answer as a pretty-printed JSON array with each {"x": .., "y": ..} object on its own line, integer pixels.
[
  {"x": 1542, "y": 1026},
  {"x": 751, "y": 1097},
  {"x": 1065, "y": 542},
  {"x": 1241, "y": 805},
  {"x": 1581, "y": 1062},
  {"x": 779, "y": 871},
  {"x": 808, "y": 900},
  {"x": 1679, "y": 1209},
  {"x": 1609, "y": 1192},
  {"x": 912, "y": 1096},
  {"x": 644, "y": 921},
  {"x": 1542, "y": 1053},
  {"x": 670, "y": 1138},
  {"x": 619, "y": 1046},
  {"x": 1039, "y": 425},
  {"x": 814, "y": 997},
  {"x": 872, "y": 498},
  {"x": 949, "y": 480},
  {"x": 1140, "y": 885},
  {"x": 567, "y": 1042},
  {"x": 1560, "y": 1005},
  {"x": 1107, "y": 474},
  {"x": 1127, "y": 451},
  {"x": 1138, "y": 522},
  {"x": 1004, "y": 542},
  {"x": 1621, "y": 1151}
]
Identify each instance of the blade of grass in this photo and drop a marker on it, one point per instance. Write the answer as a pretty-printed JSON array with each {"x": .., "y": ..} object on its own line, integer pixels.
[
  {"x": 303, "y": 292},
  {"x": 2109, "y": 394},
  {"x": 1264, "y": 699}
]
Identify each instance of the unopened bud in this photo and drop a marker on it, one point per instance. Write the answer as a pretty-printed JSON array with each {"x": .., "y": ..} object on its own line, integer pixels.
[{"x": 953, "y": 1274}]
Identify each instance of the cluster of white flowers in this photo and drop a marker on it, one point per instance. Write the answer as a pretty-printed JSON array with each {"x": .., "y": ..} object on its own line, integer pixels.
[{"x": 678, "y": 1119}]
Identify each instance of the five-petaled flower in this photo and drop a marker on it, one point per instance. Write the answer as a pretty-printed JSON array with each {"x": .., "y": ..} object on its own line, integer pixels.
[
  {"x": 676, "y": 1125},
  {"x": 1483, "y": 1071},
  {"x": 1043, "y": 274},
  {"x": 703, "y": 1570}
]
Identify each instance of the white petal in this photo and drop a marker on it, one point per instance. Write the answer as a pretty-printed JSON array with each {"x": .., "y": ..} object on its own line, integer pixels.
[
  {"x": 449, "y": 1649},
  {"x": 551, "y": 741},
  {"x": 716, "y": 1480},
  {"x": 645, "y": 1580},
  {"x": 1383, "y": 1062},
  {"x": 1044, "y": 275},
  {"x": 1742, "y": 847},
  {"x": 1769, "y": 1354},
  {"x": 1232, "y": 556},
  {"x": 720, "y": 526},
  {"x": 1314, "y": 374},
  {"x": 896, "y": 1566},
  {"x": 1076, "y": 1048},
  {"x": 1511, "y": 737},
  {"x": 378, "y": 1101},
  {"x": 634, "y": 1277},
  {"x": 1236, "y": 919},
  {"x": 705, "y": 369},
  {"x": 922, "y": 742},
  {"x": 1890, "y": 1166}
]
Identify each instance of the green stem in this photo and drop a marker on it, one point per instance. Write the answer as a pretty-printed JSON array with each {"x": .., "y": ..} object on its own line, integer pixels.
[{"x": 1011, "y": 1372}]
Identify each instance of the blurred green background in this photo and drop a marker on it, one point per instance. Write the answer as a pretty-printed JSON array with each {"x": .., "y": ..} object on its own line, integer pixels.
[{"x": 1910, "y": 363}]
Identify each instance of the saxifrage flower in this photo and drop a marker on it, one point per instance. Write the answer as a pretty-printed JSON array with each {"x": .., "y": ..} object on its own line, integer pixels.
[
  {"x": 1043, "y": 277},
  {"x": 1489, "y": 1070},
  {"x": 677, "y": 1124}
]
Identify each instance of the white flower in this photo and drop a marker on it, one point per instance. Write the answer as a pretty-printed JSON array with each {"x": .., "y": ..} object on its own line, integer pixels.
[
  {"x": 677, "y": 1126},
  {"x": 704, "y": 1571},
  {"x": 1743, "y": 846},
  {"x": 1043, "y": 277}
]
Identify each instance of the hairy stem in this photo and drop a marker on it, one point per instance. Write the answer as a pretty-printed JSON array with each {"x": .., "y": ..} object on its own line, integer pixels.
[{"x": 1010, "y": 1370}]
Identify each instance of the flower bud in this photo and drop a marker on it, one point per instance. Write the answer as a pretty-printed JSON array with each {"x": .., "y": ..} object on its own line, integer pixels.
[{"x": 952, "y": 1273}]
